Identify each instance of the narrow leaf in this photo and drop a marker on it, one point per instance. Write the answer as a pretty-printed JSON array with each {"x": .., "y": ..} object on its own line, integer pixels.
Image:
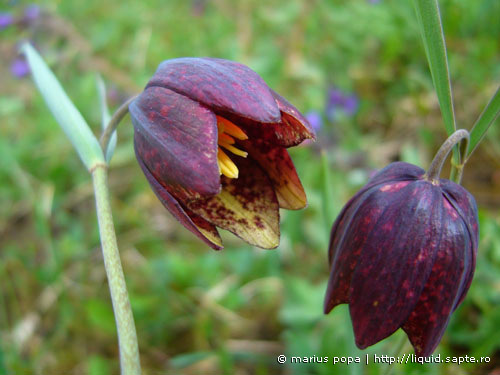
[
  {"x": 64, "y": 111},
  {"x": 105, "y": 116},
  {"x": 435, "y": 49},
  {"x": 489, "y": 115}
]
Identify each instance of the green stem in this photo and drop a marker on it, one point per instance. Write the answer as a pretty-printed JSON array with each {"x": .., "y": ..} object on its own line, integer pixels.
[
  {"x": 127, "y": 337},
  {"x": 437, "y": 163},
  {"x": 113, "y": 123},
  {"x": 398, "y": 351}
]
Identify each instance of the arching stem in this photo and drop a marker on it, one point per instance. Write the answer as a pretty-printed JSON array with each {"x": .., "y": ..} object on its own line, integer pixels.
[
  {"x": 434, "y": 171},
  {"x": 113, "y": 123}
]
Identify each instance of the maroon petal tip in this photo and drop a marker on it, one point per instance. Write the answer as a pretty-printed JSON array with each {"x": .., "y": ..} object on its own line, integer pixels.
[{"x": 198, "y": 226}]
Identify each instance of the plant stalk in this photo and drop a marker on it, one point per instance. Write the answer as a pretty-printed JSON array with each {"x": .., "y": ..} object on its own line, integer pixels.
[
  {"x": 437, "y": 163},
  {"x": 113, "y": 123},
  {"x": 127, "y": 336}
]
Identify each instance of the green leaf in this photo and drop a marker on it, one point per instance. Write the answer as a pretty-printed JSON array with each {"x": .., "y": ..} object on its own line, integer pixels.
[
  {"x": 433, "y": 37},
  {"x": 64, "y": 111},
  {"x": 105, "y": 116},
  {"x": 489, "y": 115}
]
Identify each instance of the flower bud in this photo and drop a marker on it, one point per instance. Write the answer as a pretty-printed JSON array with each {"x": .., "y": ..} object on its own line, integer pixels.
[{"x": 402, "y": 254}]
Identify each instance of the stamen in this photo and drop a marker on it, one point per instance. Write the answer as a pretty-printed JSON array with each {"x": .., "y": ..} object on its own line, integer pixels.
[
  {"x": 226, "y": 130},
  {"x": 223, "y": 137},
  {"x": 227, "y": 167},
  {"x": 234, "y": 150},
  {"x": 231, "y": 129}
]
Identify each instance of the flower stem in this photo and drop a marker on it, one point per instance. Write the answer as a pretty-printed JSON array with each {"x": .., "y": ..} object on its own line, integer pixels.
[
  {"x": 127, "y": 337},
  {"x": 437, "y": 164},
  {"x": 399, "y": 349},
  {"x": 113, "y": 123}
]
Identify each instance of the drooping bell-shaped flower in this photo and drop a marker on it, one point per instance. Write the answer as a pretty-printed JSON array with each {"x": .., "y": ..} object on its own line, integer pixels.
[
  {"x": 402, "y": 254},
  {"x": 211, "y": 138}
]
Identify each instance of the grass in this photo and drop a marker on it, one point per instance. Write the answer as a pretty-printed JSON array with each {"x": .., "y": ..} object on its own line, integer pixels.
[{"x": 230, "y": 312}]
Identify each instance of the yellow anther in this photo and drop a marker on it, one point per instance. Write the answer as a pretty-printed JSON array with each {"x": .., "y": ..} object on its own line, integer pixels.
[
  {"x": 231, "y": 129},
  {"x": 233, "y": 149},
  {"x": 226, "y": 165},
  {"x": 226, "y": 130},
  {"x": 224, "y": 138},
  {"x": 220, "y": 126}
]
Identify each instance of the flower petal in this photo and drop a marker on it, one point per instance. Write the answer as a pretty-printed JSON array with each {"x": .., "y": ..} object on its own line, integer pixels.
[
  {"x": 397, "y": 171},
  {"x": 221, "y": 85},
  {"x": 427, "y": 322},
  {"x": 396, "y": 259},
  {"x": 200, "y": 227},
  {"x": 176, "y": 138},
  {"x": 247, "y": 206},
  {"x": 291, "y": 129},
  {"x": 346, "y": 244},
  {"x": 278, "y": 165},
  {"x": 287, "y": 132},
  {"x": 465, "y": 205},
  {"x": 294, "y": 120}
]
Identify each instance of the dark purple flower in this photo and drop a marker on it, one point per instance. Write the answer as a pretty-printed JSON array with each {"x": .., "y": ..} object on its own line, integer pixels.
[
  {"x": 211, "y": 138},
  {"x": 6, "y": 19},
  {"x": 402, "y": 255},
  {"x": 19, "y": 68},
  {"x": 315, "y": 120}
]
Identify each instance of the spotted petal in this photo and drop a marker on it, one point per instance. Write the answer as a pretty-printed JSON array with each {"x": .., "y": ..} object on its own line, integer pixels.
[
  {"x": 427, "y": 322},
  {"x": 221, "y": 85},
  {"x": 395, "y": 262},
  {"x": 200, "y": 227},
  {"x": 247, "y": 206},
  {"x": 346, "y": 246},
  {"x": 278, "y": 165},
  {"x": 465, "y": 206},
  {"x": 176, "y": 138}
]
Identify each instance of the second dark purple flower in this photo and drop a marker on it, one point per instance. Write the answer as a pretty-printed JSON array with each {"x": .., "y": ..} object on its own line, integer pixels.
[{"x": 402, "y": 255}]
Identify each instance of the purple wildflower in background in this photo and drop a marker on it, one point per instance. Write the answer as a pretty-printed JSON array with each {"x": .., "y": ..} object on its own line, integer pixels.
[
  {"x": 315, "y": 120},
  {"x": 335, "y": 97},
  {"x": 338, "y": 100},
  {"x": 351, "y": 104},
  {"x": 373, "y": 1},
  {"x": 6, "y": 19},
  {"x": 19, "y": 68},
  {"x": 31, "y": 13}
]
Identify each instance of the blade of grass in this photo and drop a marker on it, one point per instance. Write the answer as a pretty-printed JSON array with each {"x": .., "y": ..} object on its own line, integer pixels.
[
  {"x": 63, "y": 109},
  {"x": 435, "y": 48},
  {"x": 484, "y": 121}
]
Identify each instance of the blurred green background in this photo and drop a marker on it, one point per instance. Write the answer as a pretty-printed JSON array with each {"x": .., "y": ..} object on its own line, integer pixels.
[{"x": 356, "y": 68}]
